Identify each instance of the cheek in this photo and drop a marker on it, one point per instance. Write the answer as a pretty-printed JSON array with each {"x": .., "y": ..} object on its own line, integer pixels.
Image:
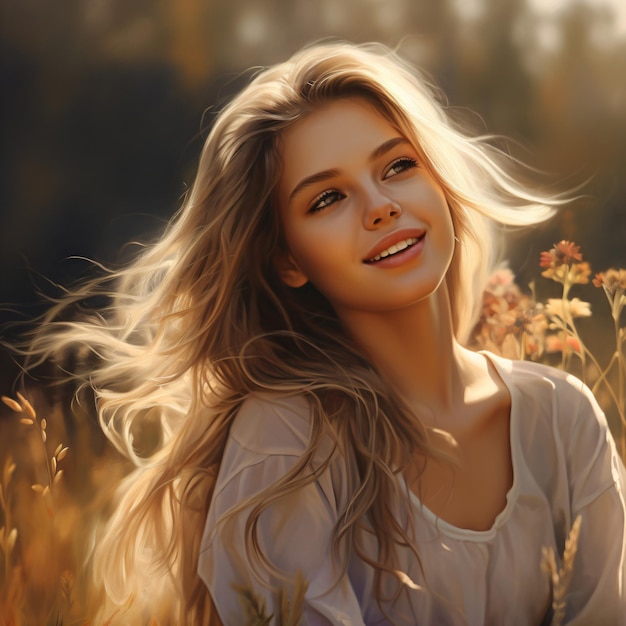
[
  {"x": 442, "y": 215},
  {"x": 326, "y": 264},
  {"x": 318, "y": 259},
  {"x": 319, "y": 245}
]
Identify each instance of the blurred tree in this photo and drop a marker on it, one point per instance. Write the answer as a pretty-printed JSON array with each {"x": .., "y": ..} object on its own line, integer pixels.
[
  {"x": 580, "y": 118},
  {"x": 190, "y": 29},
  {"x": 494, "y": 80},
  {"x": 102, "y": 101}
]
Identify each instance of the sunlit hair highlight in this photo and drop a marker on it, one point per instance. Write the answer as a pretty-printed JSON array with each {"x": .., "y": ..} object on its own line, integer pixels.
[{"x": 200, "y": 320}]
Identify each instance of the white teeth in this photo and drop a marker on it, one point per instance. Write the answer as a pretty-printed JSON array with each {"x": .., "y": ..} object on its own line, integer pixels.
[{"x": 396, "y": 247}]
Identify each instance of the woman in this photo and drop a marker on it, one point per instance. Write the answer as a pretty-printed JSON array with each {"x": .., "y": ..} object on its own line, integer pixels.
[{"x": 299, "y": 333}]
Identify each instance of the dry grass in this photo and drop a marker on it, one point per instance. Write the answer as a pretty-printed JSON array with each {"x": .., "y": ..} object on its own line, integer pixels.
[
  {"x": 50, "y": 495},
  {"x": 290, "y": 605},
  {"x": 560, "y": 577}
]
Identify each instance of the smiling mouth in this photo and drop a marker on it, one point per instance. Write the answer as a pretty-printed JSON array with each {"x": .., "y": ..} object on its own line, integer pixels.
[{"x": 396, "y": 248}]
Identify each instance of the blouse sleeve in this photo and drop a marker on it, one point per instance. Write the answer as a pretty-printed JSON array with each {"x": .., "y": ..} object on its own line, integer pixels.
[
  {"x": 597, "y": 593},
  {"x": 294, "y": 532}
]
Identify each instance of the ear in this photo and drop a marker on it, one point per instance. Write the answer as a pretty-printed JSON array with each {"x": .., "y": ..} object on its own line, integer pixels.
[{"x": 288, "y": 270}]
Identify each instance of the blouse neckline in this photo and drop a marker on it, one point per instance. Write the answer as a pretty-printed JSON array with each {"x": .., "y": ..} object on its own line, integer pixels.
[{"x": 504, "y": 369}]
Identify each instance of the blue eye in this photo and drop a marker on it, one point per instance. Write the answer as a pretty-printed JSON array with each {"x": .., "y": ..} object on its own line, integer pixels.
[
  {"x": 399, "y": 166},
  {"x": 325, "y": 199}
]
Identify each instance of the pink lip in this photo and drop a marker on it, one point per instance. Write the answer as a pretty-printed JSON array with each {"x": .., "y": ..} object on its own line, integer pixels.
[{"x": 391, "y": 239}]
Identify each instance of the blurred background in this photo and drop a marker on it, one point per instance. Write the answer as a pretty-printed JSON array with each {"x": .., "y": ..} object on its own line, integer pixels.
[{"x": 103, "y": 105}]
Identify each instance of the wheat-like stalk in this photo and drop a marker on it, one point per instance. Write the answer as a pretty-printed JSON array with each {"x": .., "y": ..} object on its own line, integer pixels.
[
  {"x": 12, "y": 595},
  {"x": 253, "y": 607},
  {"x": 8, "y": 533},
  {"x": 11, "y": 579},
  {"x": 290, "y": 611},
  {"x": 561, "y": 577},
  {"x": 23, "y": 407}
]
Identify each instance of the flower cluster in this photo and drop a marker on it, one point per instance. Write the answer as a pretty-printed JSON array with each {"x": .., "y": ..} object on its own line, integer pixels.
[
  {"x": 511, "y": 323},
  {"x": 564, "y": 264},
  {"x": 613, "y": 282},
  {"x": 515, "y": 325}
]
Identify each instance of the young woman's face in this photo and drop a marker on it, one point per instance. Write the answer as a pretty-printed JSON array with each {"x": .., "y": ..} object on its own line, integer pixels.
[{"x": 363, "y": 220}]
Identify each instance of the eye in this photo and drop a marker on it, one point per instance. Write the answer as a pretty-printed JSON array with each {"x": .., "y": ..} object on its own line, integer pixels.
[
  {"x": 325, "y": 199},
  {"x": 399, "y": 166}
]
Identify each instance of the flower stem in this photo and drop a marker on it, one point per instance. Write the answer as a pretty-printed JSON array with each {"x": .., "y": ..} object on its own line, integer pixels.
[{"x": 621, "y": 370}]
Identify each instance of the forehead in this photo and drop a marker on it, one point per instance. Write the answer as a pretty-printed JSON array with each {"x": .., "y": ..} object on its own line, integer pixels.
[{"x": 331, "y": 136}]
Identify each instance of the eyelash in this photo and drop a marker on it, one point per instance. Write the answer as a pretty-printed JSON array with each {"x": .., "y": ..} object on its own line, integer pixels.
[
  {"x": 322, "y": 201},
  {"x": 406, "y": 162}
]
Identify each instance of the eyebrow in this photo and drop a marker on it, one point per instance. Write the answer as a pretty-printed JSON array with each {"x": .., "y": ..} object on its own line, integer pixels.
[
  {"x": 388, "y": 145},
  {"x": 384, "y": 147}
]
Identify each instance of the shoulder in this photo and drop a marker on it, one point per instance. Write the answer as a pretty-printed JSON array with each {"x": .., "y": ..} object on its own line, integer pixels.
[
  {"x": 548, "y": 402},
  {"x": 561, "y": 407},
  {"x": 529, "y": 372},
  {"x": 272, "y": 424},
  {"x": 561, "y": 429},
  {"x": 268, "y": 438},
  {"x": 537, "y": 385}
]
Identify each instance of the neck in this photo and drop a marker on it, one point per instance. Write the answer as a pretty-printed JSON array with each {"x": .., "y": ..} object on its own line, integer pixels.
[{"x": 414, "y": 348}]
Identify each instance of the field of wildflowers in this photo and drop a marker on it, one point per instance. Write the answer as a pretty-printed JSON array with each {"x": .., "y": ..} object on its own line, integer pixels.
[
  {"x": 57, "y": 473},
  {"x": 517, "y": 325}
]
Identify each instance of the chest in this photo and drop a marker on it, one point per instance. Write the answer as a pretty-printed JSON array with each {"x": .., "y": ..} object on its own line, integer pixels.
[
  {"x": 466, "y": 578},
  {"x": 468, "y": 489}
]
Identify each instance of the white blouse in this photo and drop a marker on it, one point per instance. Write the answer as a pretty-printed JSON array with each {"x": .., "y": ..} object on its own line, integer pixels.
[{"x": 564, "y": 464}]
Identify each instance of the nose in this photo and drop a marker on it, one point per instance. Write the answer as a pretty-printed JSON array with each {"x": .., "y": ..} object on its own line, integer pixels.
[{"x": 379, "y": 209}]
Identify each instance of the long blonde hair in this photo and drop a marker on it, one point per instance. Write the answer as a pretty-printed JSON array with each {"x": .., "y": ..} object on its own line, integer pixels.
[{"x": 200, "y": 320}]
